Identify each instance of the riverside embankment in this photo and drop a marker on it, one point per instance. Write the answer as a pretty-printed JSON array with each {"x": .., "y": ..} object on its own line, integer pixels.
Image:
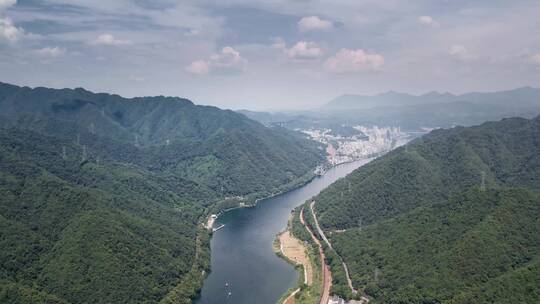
[{"x": 244, "y": 266}]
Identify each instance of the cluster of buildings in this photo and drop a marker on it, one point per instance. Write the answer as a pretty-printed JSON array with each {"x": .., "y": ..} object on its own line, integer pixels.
[
  {"x": 338, "y": 300},
  {"x": 369, "y": 142}
]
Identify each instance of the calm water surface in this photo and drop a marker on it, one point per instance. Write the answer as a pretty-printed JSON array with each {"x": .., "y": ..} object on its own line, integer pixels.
[{"x": 245, "y": 268}]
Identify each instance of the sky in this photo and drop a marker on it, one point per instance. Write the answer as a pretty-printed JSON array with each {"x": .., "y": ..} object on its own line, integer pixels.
[{"x": 270, "y": 54}]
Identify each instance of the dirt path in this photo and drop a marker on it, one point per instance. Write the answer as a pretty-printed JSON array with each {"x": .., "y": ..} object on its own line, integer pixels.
[
  {"x": 326, "y": 274},
  {"x": 295, "y": 251},
  {"x": 290, "y": 299}
]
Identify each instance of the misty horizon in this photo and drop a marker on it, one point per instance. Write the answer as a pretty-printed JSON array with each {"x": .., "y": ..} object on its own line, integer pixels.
[
  {"x": 285, "y": 109},
  {"x": 261, "y": 55}
]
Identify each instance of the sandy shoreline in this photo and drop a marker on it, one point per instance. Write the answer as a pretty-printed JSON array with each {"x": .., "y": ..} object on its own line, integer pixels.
[
  {"x": 293, "y": 249},
  {"x": 295, "y": 252}
]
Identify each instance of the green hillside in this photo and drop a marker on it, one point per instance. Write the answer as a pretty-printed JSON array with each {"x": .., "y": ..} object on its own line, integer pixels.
[
  {"x": 94, "y": 210},
  {"x": 90, "y": 233},
  {"x": 453, "y": 217},
  {"x": 219, "y": 148}
]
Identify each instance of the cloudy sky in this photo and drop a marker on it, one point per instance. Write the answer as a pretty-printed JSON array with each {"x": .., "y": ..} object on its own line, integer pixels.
[{"x": 270, "y": 54}]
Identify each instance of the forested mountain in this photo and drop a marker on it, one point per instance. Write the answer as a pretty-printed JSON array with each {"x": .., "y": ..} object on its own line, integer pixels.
[
  {"x": 452, "y": 217},
  {"x": 221, "y": 149},
  {"x": 78, "y": 231},
  {"x": 102, "y": 197}
]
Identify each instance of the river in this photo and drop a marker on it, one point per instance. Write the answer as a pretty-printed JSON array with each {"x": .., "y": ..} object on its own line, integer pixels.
[{"x": 245, "y": 268}]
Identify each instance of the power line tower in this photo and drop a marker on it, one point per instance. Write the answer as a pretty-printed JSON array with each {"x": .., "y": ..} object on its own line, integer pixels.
[
  {"x": 83, "y": 152},
  {"x": 64, "y": 154},
  {"x": 483, "y": 182},
  {"x": 376, "y": 274}
]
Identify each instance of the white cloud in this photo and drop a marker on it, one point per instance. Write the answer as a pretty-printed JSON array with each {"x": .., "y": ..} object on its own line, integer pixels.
[
  {"x": 227, "y": 60},
  {"x": 199, "y": 67},
  {"x": 460, "y": 52},
  {"x": 304, "y": 50},
  {"x": 51, "y": 52},
  {"x": 428, "y": 21},
  {"x": 314, "y": 23},
  {"x": 279, "y": 43},
  {"x": 346, "y": 61},
  {"x": 108, "y": 39},
  {"x": 7, "y": 3},
  {"x": 536, "y": 58},
  {"x": 8, "y": 31}
]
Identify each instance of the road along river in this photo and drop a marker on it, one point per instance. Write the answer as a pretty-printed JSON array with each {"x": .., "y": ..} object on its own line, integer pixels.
[{"x": 245, "y": 268}]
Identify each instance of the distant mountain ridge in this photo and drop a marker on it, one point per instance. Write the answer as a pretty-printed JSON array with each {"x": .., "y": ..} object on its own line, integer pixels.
[
  {"x": 410, "y": 112},
  {"x": 520, "y": 96}
]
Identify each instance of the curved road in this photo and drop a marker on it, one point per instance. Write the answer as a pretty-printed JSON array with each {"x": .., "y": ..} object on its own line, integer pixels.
[
  {"x": 327, "y": 275},
  {"x": 323, "y": 236},
  {"x": 363, "y": 299}
]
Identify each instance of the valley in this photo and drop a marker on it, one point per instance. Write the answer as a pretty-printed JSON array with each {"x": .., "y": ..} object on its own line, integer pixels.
[
  {"x": 269, "y": 152},
  {"x": 243, "y": 259},
  {"x": 194, "y": 211},
  {"x": 95, "y": 181}
]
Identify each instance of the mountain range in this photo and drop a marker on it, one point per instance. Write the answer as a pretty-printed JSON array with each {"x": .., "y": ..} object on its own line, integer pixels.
[
  {"x": 102, "y": 198},
  {"x": 410, "y": 112},
  {"x": 520, "y": 97}
]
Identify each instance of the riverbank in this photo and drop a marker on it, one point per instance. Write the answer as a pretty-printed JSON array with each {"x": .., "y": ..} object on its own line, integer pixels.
[
  {"x": 304, "y": 226},
  {"x": 304, "y": 293},
  {"x": 189, "y": 290},
  {"x": 294, "y": 251},
  {"x": 243, "y": 261},
  {"x": 190, "y": 285},
  {"x": 251, "y": 200}
]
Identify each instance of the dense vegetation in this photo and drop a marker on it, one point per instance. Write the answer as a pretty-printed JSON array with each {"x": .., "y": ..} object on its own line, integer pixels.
[
  {"x": 453, "y": 217},
  {"x": 101, "y": 197},
  {"x": 88, "y": 232},
  {"x": 221, "y": 149}
]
